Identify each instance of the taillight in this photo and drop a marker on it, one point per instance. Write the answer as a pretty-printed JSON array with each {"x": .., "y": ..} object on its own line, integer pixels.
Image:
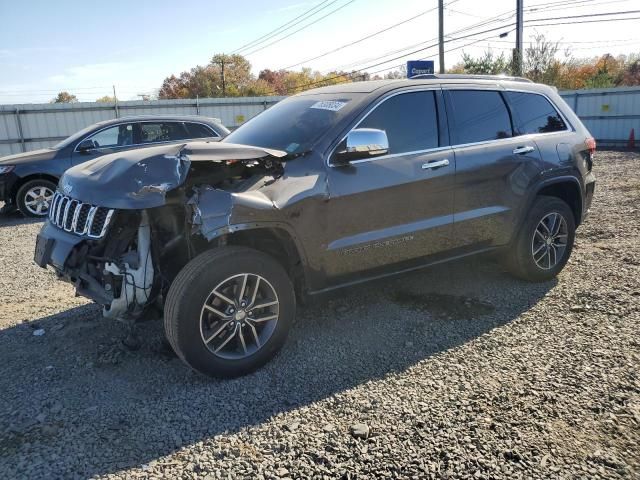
[{"x": 591, "y": 145}]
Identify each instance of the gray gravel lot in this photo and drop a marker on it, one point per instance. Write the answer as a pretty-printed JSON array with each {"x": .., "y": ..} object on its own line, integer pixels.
[{"x": 458, "y": 371}]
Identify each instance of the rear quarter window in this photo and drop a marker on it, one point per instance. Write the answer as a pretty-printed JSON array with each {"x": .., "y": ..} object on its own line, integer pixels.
[
  {"x": 479, "y": 116},
  {"x": 534, "y": 113},
  {"x": 155, "y": 132},
  {"x": 198, "y": 130}
]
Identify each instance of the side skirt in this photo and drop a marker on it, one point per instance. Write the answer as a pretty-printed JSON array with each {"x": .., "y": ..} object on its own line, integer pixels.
[{"x": 400, "y": 272}]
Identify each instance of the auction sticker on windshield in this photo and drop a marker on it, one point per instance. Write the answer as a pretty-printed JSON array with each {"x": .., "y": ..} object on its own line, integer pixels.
[{"x": 333, "y": 105}]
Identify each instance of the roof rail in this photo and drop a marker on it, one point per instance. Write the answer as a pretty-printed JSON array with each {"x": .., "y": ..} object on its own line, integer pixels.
[{"x": 463, "y": 76}]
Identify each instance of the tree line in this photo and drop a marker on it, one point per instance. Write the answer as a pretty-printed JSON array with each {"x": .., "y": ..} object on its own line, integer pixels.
[{"x": 543, "y": 62}]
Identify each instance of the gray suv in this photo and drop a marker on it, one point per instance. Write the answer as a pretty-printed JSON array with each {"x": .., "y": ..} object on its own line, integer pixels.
[{"x": 328, "y": 188}]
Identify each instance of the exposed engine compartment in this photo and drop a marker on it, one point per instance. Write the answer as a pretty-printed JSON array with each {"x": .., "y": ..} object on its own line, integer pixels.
[{"x": 132, "y": 266}]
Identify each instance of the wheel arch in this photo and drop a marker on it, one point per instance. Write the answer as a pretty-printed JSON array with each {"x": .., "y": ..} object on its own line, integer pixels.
[
  {"x": 567, "y": 189},
  {"x": 275, "y": 240},
  {"x": 28, "y": 178}
]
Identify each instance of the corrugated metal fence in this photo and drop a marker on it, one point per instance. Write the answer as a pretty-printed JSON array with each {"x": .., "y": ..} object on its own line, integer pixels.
[
  {"x": 32, "y": 126},
  {"x": 609, "y": 113}
]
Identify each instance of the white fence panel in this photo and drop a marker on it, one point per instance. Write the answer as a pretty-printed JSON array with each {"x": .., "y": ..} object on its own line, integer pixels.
[
  {"x": 32, "y": 126},
  {"x": 610, "y": 114}
]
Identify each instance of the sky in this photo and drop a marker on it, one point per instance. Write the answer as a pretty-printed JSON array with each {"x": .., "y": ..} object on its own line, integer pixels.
[{"x": 88, "y": 47}]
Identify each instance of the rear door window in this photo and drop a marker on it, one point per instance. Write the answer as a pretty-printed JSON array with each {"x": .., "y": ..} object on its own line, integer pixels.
[
  {"x": 410, "y": 120},
  {"x": 154, "y": 132},
  {"x": 198, "y": 130},
  {"x": 478, "y": 116},
  {"x": 534, "y": 113}
]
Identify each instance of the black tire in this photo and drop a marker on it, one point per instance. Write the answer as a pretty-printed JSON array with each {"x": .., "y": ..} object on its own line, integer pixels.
[
  {"x": 23, "y": 191},
  {"x": 193, "y": 286},
  {"x": 520, "y": 258}
]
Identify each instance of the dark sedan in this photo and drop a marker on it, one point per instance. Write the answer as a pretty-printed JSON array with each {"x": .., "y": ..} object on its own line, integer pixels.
[{"x": 28, "y": 180}]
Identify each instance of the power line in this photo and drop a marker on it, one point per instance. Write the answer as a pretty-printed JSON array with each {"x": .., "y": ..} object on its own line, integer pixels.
[
  {"x": 386, "y": 29},
  {"x": 497, "y": 18},
  {"x": 446, "y": 51},
  {"x": 300, "y": 29},
  {"x": 284, "y": 26},
  {"x": 505, "y": 26},
  {"x": 584, "y": 16},
  {"x": 393, "y": 59},
  {"x": 485, "y": 22},
  {"x": 473, "y": 34},
  {"x": 572, "y": 5},
  {"x": 583, "y": 21},
  {"x": 593, "y": 47}
]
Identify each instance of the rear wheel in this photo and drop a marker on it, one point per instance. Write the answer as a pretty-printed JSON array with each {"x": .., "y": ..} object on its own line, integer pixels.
[
  {"x": 34, "y": 197},
  {"x": 545, "y": 241},
  {"x": 229, "y": 311}
]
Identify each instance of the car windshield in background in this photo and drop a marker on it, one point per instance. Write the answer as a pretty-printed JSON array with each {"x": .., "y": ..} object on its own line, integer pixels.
[
  {"x": 76, "y": 136},
  {"x": 294, "y": 124}
]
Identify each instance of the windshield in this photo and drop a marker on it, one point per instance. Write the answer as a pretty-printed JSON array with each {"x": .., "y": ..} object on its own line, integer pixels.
[
  {"x": 295, "y": 124},
  {"x": 76, "y": 136}
]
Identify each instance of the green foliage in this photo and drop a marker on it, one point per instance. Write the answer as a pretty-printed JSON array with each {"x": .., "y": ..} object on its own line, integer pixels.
[
  {"x": 488, "y": 64},
  {"x": 543, "y": 62},
  {"x": 64, "y": 97}
]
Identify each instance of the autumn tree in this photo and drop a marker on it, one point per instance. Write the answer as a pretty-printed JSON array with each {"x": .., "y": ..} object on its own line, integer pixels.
[
  {"x": 64, "y": 97},
  {"x": 545, "y": 63},
  {"x": 206, "y": 81},
  {"x": 631, "y": 75},
  {"x": 106, "y": 99}
]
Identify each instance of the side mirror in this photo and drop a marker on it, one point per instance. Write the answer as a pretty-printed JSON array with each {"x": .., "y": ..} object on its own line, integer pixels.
[
  {"x": 86, "y": 145},
  {"x": 363, "y": 143}
]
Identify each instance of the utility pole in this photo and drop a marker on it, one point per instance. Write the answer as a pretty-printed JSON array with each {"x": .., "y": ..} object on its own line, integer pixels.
[
  {"x": 517, "y": 53},
  {"x": 224, "y": 87},
  {"x": 115, "y": 101},
  {"x": 441, "y": 33},
  {"x": 222, "y": 63}
]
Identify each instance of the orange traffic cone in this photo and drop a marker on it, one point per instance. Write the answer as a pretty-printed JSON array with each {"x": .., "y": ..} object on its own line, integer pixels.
[{"x": 631, "y": 144}]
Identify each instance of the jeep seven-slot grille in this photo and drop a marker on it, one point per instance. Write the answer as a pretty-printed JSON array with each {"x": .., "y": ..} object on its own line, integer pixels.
[{"x": 80, "y": 218}]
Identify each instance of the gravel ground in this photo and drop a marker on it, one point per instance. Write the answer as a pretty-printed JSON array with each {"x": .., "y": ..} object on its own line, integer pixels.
[{"x": 458, "y": 372}]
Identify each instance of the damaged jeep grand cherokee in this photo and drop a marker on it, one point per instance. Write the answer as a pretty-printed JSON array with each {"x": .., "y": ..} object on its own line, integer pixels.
[{"x": 327, "y": 188}]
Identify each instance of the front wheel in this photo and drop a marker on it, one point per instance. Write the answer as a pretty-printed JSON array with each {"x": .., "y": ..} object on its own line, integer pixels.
[
  {"x": 545, "y": 242},
  {"x": 229, "y": 311},
  {"x": 34, "y": 197}
]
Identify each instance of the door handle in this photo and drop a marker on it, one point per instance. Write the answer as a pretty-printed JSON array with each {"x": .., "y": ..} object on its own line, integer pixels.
[
  {"x": 436, "y": 164},
  {"x": 522, "y": 150}
]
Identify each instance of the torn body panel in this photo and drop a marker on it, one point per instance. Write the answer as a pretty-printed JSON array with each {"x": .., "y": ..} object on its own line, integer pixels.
[
  {"x": 138, "y": 179},
  {"x": 136, "y": 273},
  {"x": 171, "y": 203}
]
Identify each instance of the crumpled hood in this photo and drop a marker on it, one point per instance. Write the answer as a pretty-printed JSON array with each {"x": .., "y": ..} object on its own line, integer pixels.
[
  {"x": 28, "y": 157},
  {"x": 137, "y": 179}
]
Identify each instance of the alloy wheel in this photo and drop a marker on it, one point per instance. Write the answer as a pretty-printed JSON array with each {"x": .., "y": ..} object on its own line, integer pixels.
[
  {"x": 239, "y": 316},
  {"x": 38, "y": 199},
  {"x": 549, "y": 241}
]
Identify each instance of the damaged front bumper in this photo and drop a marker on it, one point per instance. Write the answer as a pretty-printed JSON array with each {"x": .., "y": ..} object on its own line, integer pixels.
[
  {"x": 55, "y": 247},
  {"x": 98, "y": 236},
  {"x": 122, "y": 285}
]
